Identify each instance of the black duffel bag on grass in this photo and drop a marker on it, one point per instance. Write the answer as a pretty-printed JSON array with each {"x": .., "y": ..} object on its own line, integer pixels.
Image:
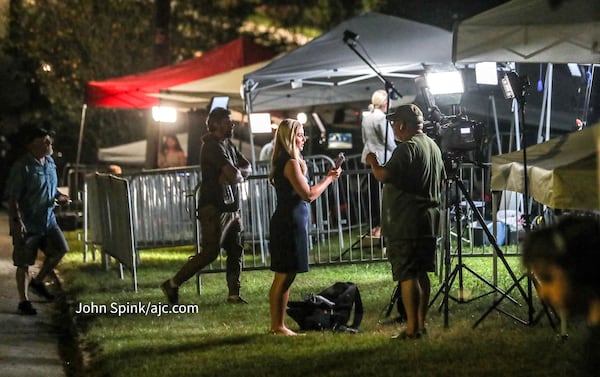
[{"x": 330, "y": 309}]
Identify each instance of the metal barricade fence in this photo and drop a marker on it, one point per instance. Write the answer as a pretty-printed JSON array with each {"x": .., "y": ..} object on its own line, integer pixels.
[
  {"x": 163, "y": 207},
  {"x": 92, "y": 217},
  {"x": 502, "y": 222},
  {"x": 163, "y": 213},
  {"x": 111, "y": 222},
  {"x": 259, "y": 201},
  {"x": 334, "y": 236},
  {"x": 164, "y": 202}
]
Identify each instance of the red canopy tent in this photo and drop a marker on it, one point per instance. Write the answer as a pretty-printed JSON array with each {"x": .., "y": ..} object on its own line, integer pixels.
[{"x": 140, "y": 90}]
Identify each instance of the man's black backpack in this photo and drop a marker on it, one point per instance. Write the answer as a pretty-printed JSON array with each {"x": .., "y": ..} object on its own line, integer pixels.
[{"x": 331, "y": 309}]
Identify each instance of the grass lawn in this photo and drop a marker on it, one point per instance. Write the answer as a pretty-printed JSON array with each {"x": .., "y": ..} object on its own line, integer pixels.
[{"x": 232, "y": 340}]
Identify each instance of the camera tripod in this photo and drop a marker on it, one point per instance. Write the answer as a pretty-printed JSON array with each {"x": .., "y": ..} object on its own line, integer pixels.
[
  {"x": 456, "y": 274},
  {"x": 520, "y": 89},
  {"x": 395, "y": 300}
]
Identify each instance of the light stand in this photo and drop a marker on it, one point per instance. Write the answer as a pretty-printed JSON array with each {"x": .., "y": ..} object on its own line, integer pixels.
[
  {"x": 350, "y": 39},
  {"x": 515, "y": 87},
  {"x": 457, "y": 272}
]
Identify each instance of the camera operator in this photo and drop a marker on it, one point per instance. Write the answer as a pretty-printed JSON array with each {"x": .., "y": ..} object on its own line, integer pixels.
[{"x": 410, "y": 213}]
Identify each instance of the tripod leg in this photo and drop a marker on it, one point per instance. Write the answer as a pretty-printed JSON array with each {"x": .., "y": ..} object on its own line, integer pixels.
[
  {"x": 493, "y": 242},
  {"x": 395, "y": 299},
  {"x": 489, "y": 284},
  {"x": 448, "y": 281},
  {"x": 497, "y": 302},
  {"x": 546, "y": 308}
]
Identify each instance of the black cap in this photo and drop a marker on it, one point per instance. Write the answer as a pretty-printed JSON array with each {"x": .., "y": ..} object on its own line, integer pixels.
[
  {"x": 33, "y": 133},
  {"x": 216, "y": 115},
  {"x": 407, "y": 113}
]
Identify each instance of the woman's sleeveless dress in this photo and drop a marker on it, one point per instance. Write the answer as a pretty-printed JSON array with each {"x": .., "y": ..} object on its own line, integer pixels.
[{"x": 289, "y": 226}]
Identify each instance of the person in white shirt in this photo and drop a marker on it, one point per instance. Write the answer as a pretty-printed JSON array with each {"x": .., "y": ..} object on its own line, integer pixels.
[
  {"x": 378, "y": 138},
  {"x": 267, "y": 150}
]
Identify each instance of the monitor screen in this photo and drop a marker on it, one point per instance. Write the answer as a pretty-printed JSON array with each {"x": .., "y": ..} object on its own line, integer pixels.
[
  {"x": 339, "y": 140},
  {"x": 218, "y": 101}
]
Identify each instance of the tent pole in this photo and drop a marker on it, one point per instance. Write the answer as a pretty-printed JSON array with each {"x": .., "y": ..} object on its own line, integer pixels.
[
  {"x": 78, "y": 157},
  {"x": 546, "y": 112},
  {"x": 543, "y": 111},
  {"x": 80, "y": 141},
  {"x": 248, "y": 106},
  {"x": 516, "y": 109},
  {"x": 550, "y": 74},
  {"x": 495, "y": 117},
  {"x": 517, "y": 130},
  {"x": 588, "y": 93}
]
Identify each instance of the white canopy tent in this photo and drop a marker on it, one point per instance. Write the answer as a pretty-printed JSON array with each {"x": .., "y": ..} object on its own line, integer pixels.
[
  {"x": 530, "y": 31},
  {"x": 326, "y": 70},
  {"x": 562, "y": 172},
  {"x": 533, "y": 31}
]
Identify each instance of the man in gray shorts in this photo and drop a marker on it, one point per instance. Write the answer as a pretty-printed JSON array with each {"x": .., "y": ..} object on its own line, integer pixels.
[
  {"x": 411, "y": 196},
  {"x": 32, "y": 193}
]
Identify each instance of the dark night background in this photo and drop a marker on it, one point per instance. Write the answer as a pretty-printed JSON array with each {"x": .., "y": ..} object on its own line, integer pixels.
[{"x": 95, "y": 40}]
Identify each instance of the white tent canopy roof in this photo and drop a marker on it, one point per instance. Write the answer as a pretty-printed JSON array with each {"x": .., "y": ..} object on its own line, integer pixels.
[
  {"x": 530, "y": 31},
  {"x": 326, "y": 70}
]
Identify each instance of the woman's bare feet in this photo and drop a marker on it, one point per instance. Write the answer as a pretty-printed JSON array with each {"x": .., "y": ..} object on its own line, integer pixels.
[{"x": 283, "y": 331}]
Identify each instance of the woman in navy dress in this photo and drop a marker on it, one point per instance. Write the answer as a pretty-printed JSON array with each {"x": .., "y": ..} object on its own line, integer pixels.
[{"x": 289, "y": 222}]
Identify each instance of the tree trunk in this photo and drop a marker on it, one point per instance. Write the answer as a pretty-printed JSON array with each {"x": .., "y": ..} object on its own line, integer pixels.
[
  {"x": 161, "y": 36},
  {"x": 161, "y": 58}
]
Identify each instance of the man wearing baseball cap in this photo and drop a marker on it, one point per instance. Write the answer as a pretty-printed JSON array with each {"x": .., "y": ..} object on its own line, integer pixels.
[
  {"x": 32, "y": 193},
  {"x": 410, "y": 212}
]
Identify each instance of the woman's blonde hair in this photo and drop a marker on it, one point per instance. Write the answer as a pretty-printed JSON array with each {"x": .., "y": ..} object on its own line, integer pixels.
[
  {"x": 378, "y": 99},
  {"x": 285, "y": 143}
]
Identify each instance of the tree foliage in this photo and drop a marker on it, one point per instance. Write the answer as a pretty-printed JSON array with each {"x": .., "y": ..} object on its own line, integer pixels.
[
  {"x": 55, "y": 47},
  {"x": 72, "y": 42}
]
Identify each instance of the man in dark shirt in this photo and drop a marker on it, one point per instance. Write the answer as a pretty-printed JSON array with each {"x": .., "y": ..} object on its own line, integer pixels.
[
  {"x": 223, "y": 167},
  {"x": 411, "y": 196}
]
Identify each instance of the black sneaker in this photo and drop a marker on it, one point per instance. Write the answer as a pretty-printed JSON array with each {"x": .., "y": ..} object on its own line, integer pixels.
[
  {"x": 25, "y": 308},
  {"x": 171, "y": 293},
  {"x": 236, "y": 299},
  {"x": 40, "y": 290}
]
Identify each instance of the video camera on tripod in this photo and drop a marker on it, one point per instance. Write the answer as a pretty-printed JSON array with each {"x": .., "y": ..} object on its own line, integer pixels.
[{"x": 459, "y": 138}]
